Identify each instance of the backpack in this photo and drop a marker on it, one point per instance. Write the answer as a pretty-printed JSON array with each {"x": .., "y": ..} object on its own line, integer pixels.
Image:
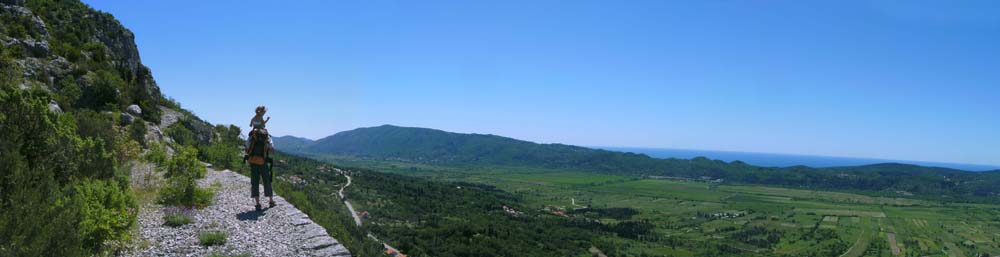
[{"x": 259, "y": 148}]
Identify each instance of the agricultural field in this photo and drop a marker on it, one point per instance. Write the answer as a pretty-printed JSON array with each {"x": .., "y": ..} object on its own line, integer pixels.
[{"x": 690, "y": 216}]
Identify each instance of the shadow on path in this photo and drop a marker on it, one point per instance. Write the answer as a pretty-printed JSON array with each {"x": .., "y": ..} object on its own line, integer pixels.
[{"x": 250, "y": 215}]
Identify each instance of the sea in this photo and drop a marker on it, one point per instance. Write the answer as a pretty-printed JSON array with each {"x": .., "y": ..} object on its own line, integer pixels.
[{"x": 785, "y": 160}]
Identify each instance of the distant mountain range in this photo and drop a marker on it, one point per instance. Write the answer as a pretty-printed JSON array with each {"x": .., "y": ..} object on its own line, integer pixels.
[
  {"x": 785, "y": 160},
  {"x": 436, "y": 147}
]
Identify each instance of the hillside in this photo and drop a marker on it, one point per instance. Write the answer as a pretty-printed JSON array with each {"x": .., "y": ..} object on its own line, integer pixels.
[
  {"x": 439, "y": 147},
  {"x": 436, "y": 147},
  {"x": 292, "y": 143},
  {"x": 89, "y": 145}
]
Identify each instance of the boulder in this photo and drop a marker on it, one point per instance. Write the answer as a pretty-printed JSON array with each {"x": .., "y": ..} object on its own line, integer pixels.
[
  {"x": 54, "y": 107},
  {"x": 153, "y": 133},
  {"x": 127, "y": 118},
  {"x": 169, "y": 116},
  {"x": 134, "y": 109}
]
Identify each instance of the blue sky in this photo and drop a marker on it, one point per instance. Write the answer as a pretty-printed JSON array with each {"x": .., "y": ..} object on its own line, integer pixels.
[{"x": 911, "y": 80}]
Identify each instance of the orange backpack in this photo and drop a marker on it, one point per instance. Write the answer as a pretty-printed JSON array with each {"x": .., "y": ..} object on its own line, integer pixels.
[{"x": 259, "y": 149}]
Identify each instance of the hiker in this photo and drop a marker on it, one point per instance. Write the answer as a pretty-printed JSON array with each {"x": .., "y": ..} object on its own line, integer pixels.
[
  {"x": 258, "y": 121},
  {"x": 258, "y": 150}
]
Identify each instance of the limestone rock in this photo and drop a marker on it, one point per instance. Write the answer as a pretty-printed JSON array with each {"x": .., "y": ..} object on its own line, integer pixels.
[
  {"x": 54, "y": 107},
  {"x": 169, "y": 116},
  {"x": 32, "y": 47},
  {"x": 127, "y": 118},
  {"x": 153, "y": 133},
  {"x": 335, "y": 250},
  {"x": 134, "y": 109},
  {"x": 320, "y": 242}
]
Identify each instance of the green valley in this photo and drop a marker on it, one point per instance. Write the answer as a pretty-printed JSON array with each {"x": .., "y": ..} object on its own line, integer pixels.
[
  {"x": 630, "y": 214},
  {"x": 693, "y": 218}
]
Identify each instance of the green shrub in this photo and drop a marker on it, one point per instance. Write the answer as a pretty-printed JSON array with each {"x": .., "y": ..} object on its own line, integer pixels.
[
  {"x": 224, "y": 151},
  {"x": 104, "y": 92},
  {"x": 150, "y": 110},
  {"x": 221, "y": 156},
  {"x": 177, "y": 219},
  {"x": 93, "y": 124},
  {"x": 137, "y": 131},
  {"x": 107, "y": 211},
  {"x": 18, "y": 26},
  {"x": 157, "y": 154},
  {"x": 97, "y": 50},
  {"x": 185, "y": 164},
  {"x": 183, "y": 172},
  {"x": 184, "y": 195},
  {"x": 95, "y": 157},
  {"x": 181, "y": 134},
  {"x": 68, "y": 92},
  {"x": 209, "y": 238}
]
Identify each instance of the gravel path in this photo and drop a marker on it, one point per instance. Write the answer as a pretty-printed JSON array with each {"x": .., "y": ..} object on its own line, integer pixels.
[{"x": 279, "y": 231}]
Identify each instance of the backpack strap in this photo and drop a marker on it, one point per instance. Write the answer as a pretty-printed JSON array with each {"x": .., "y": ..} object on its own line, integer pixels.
[{"x": 252, "y": 136}]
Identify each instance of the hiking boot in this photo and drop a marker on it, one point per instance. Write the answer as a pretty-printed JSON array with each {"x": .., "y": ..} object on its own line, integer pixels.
[
  {"x": 258, "y": 207},
  {"x": 271, "y": 204}
]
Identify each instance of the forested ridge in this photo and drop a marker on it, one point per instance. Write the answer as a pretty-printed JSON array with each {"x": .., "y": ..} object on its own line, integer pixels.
[{"x": 436, "y": 147}]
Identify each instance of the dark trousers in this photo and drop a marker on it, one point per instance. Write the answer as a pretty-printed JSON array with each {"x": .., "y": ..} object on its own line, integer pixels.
[{"x": 257, "y": 172}]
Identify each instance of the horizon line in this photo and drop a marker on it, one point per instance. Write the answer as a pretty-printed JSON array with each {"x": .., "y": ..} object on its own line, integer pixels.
[{"x": 880, "y": 160}]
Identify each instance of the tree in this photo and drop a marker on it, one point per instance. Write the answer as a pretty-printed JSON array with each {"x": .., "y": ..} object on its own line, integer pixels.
[
  {"x": 104, "y": 91},
  {"x": 50, "y": 180},
  {"x": 182, "y": 173}
]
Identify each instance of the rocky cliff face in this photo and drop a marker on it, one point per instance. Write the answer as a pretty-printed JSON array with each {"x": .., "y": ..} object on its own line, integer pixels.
[
  {"x": 64, "y": 46},
  {"x": 44, "y": 65}
]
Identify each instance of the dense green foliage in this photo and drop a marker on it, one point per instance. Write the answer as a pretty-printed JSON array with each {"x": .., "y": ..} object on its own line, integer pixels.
[
  {"x": 107, "y": 210},
  {"x": 460, "y": 221},
  {"x": 427, "y": 218},
  {"x": 181, "y": 134},
  {"x": 435, "y": 147},
  {"x": 61, "y": 190},
  {"x": 223, "y": 152},
  {"x": 218, "y": 145}
]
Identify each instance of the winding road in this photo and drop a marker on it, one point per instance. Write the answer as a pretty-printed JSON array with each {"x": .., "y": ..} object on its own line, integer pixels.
[{"x": 357, "y": 219}]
